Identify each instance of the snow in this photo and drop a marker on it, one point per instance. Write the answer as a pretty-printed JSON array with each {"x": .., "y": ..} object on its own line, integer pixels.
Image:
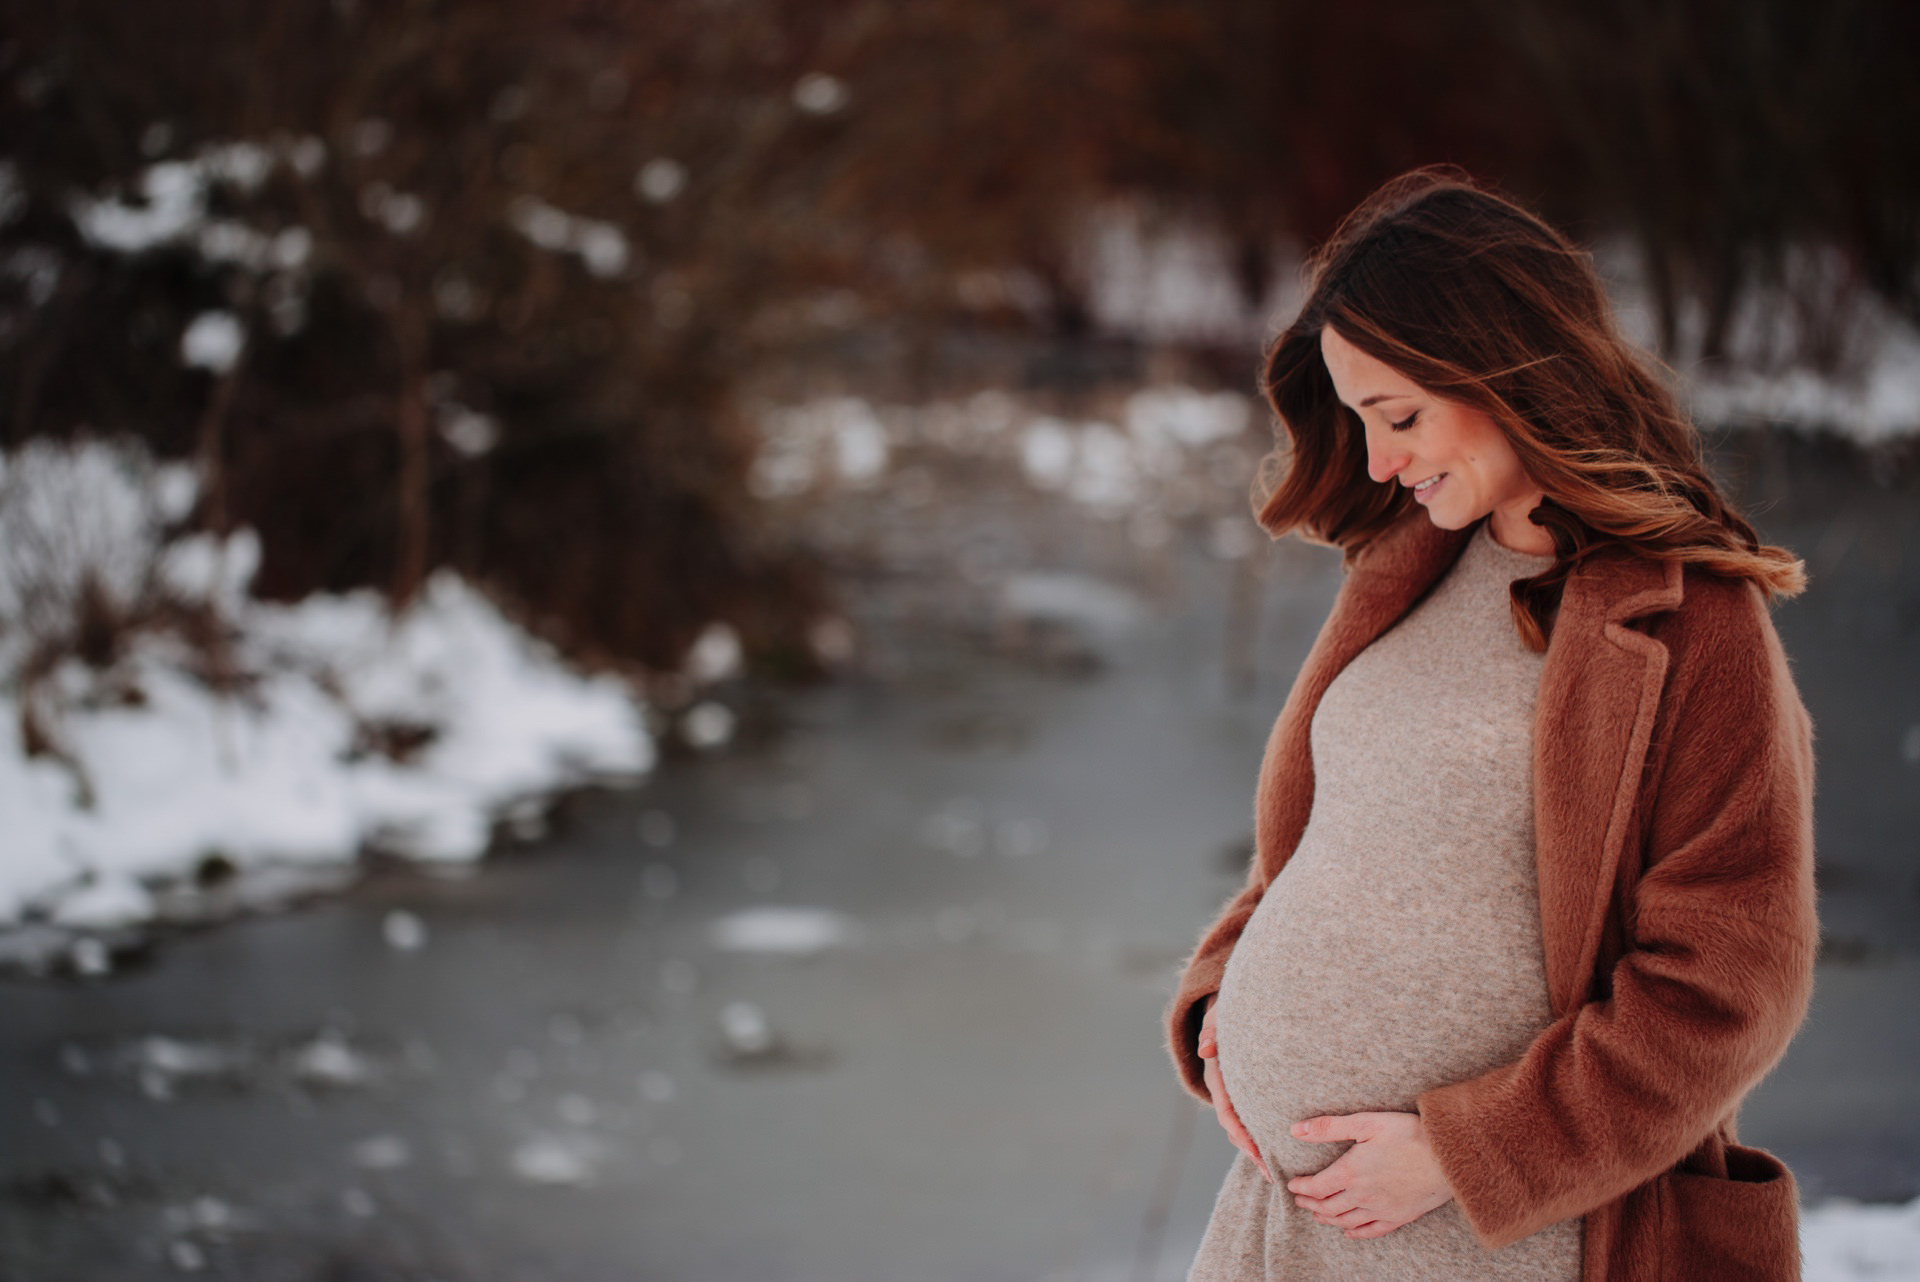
[
  {"x": 212, "y": 341},
  {"x": 819, "y": 94},
  {"x": 1162, "y": 277},
  {"x": 72, "y": 520},
  {"x": 381, "y": 1153},
  {"x": 660, "y": 180},
  {"x": 470, "y": 433},
  {"x": 107, "y": 901},
  {"x": 1881, "y": 403},
  {"x": 560, "y": 1159},
  {"x": 171, "y": 206},
  {"x": 1060, "y": 596},
  {"x": 601, "y": 246},
  {"x": 289, "y": 770},
  {"x": 404, "y": 931},
  {"x": 708, "y": 725},
  {"x": 792, "y": 931},
  {"x": 837, "y": 441},
  {"x": 1165, "y": 276},
  {"x": 1844, "y": 1241},
  {"x": 331, "y": 1060},
  {"x": 715, "y": 654},
  {"x": 1189, "y": 418},
  {"x": 1109, "y": 465},
  {"x": 1046, "y": 452},
  {"x": 745, "y": 1028},
  {"x": 173, "y": 200}
]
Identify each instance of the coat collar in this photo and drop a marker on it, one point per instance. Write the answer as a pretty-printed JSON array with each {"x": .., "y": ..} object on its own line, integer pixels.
[{"x": 1612, "y": 586}]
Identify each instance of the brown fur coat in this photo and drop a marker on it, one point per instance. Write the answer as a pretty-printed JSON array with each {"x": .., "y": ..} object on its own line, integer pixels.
[{"x": 1673, "y": 803}]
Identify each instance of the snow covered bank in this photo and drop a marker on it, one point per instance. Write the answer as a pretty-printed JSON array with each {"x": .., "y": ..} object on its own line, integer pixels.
[
  {"x": 1115, "y": 463},
  {"x": 1850, "y": 1242},
  {"x": 1171, "y": 279},
  {"x": 345, "y": 729}
]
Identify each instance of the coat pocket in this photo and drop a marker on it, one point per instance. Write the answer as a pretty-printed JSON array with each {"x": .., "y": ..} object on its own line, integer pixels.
[{"x": 1743, "y": 1226}]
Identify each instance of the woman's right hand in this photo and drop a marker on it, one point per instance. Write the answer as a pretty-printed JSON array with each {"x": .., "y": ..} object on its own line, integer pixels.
[{"x": 1209, "y": 1049}]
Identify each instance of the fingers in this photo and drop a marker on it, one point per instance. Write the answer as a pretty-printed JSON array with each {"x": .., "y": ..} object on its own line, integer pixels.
[
  {"x": 1321, "y": 1185},
  {"x": 1327, "y": 1130},
  {"x": 1244, "y": 1142},
  {"x": 1209, "y": 1045},
  {"x": 1379, "y": 1228},
  {"x": 1230, "y": 1119},
  {"x": 1333, "y": 1204},
  {"x": 1353, "y": 1219}
]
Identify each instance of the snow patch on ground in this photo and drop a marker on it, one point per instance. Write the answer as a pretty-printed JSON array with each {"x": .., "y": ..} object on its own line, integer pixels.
[
  {"x": 1850, "y": 1242},
  {"x": 1169, "y": 278},
  {"x": 560, "y": 1159},
  {"x": 1880, "y": 404},
  {"x": 1061, "y": 596},
  {"x": 1112, "y": 465},
  {"x": 350, "y": 727},
  {"x": 792, "y": 931}
]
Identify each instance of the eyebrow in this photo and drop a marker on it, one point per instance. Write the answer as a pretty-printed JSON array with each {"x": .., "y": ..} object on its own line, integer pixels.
[{"x": 1383, "y": 396}]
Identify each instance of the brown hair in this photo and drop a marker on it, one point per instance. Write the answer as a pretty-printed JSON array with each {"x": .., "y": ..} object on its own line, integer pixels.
[{"x": 1481, "y": 302}]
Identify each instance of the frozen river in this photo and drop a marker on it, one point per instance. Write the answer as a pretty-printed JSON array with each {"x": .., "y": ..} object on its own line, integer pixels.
[{"x": 875, "y": 993}]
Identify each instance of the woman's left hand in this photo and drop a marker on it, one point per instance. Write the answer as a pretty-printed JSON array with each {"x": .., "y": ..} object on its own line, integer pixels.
[{"x": 1389, "y": 1177}]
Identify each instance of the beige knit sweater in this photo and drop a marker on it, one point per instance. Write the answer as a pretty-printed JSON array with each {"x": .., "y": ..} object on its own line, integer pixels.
[{"x": 1399, "y": 949}]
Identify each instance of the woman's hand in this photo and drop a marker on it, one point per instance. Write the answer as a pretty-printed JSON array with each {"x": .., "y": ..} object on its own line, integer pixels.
[
  {"x": 1209, "y": 1049},
  {"x": 1389, "y": 1177}
]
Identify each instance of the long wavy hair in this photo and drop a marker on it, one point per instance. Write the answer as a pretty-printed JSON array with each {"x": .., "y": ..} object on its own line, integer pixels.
[{"x": 1482, "y": 303}]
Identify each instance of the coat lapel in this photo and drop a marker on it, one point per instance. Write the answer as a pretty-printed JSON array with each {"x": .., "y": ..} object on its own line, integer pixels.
[
  {"x": 1384, "y": 581},
  {"x": 1600, "y": 690}
]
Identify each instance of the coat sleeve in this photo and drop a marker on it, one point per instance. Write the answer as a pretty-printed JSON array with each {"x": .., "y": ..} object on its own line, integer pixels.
[
  {"x": 1201, "y": 980},
  {"x": 1716, "y": 960}
]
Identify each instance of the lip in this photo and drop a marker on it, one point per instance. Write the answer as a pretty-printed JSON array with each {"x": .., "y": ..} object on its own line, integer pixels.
[{"x": 1425, "y": 495}]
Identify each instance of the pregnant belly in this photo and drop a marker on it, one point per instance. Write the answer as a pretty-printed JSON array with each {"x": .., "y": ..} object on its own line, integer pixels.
[{"x": 1344, "y": 998}]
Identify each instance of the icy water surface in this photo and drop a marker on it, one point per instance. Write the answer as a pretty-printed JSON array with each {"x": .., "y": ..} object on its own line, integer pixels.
[{"x": 875, "y": 994}]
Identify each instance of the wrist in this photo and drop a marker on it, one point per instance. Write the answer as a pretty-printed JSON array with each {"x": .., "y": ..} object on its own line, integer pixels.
[{"x": 1438, "y": 1173}]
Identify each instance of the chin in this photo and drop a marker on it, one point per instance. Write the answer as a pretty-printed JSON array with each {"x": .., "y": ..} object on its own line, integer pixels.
[{"x": 1451, "y": 520}]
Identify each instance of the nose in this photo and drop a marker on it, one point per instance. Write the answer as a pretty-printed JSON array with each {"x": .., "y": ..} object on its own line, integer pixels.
[{"x": 1385, "y": 458}]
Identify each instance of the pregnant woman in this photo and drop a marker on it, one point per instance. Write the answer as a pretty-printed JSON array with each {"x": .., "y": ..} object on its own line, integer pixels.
[{"x": 1531, "y": 907}]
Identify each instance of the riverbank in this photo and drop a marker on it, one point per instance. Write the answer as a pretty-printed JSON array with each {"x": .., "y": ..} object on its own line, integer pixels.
[{"x": 874, "y": 994}]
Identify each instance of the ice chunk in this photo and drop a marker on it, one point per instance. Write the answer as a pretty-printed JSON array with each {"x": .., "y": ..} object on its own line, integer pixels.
[
  {"x": 569, "y": 1159},
  {"x": 745, "y": 1027},
  {"x": 382, "y": 1153},
  {"x": 794, "y": 931},
  {"x": 708, "y": 724},
  {"x": 404, "y": 930}
]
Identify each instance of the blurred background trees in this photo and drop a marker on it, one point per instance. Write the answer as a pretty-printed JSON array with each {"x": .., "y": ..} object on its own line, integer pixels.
[{"x": 477, "y": 284}]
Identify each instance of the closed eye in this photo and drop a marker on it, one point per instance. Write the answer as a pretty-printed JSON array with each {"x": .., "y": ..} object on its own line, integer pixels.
[{"x": 1404, "y": 423}]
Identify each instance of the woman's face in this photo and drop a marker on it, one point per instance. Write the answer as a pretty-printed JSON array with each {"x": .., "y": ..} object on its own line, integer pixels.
[{"x": 1457, "y": 462}]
